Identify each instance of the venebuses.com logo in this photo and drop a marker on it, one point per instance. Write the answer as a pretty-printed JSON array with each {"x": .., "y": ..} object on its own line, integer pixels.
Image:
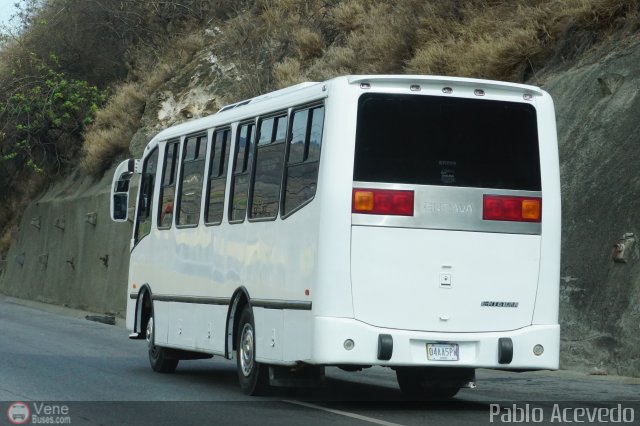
[{"x": 20, "y": 413}]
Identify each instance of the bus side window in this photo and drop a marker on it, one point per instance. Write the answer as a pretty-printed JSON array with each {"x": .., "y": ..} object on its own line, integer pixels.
[
  {"x": 303, "y": 160},
  {"x": 145, "y": 203},
  {"x": 168, "y": 185},
  {"x": 241, "y": 169},
  {"x": 192, "y": 175},
  {"x": 217, "y": 181},
  {"x": 269, "y": 162}
]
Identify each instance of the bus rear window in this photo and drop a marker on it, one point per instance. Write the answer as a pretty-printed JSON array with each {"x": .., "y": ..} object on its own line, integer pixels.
[{"x": 433, "y": 140}]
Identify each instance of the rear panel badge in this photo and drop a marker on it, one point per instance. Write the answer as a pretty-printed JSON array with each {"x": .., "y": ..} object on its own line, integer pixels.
[
  {"x": 447, "y": 209},
  {"x": 492, "y": 304}
]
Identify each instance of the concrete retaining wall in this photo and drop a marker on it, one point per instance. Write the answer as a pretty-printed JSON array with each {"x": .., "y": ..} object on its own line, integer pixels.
[{"x": 68, "y": 252}]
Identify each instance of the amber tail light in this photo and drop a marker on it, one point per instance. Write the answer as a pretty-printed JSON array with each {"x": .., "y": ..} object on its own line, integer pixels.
[
  {"x": 514, "y": 209},
  {"x": 382, "y": 201}
]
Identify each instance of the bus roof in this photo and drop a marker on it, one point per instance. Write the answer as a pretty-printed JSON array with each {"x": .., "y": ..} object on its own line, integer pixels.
[
  {"x": 441, "y": 80},
  {"x": 303, "y": 92},
  {"x": 237, "y": 111}
]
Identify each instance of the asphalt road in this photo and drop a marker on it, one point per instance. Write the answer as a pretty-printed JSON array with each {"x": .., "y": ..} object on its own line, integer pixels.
[{"x": 69, "y": 370}]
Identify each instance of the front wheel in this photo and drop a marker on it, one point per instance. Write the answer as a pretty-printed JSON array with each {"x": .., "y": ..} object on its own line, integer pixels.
[
  {"x": 253, "y": 376},
  {"x": 158, "y": 357}
]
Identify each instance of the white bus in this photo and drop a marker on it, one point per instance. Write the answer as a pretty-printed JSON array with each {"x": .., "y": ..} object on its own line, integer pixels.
[{"x": 393, "y": 221}]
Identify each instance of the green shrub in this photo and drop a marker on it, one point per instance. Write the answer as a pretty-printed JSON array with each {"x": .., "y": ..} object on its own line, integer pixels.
[{"x": 45, "y": 113}]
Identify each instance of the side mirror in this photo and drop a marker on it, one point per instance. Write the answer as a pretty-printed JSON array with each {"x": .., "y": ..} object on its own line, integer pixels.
[
  {"x": 120, "y": 212},
  {"x": 120, "y": 190}
]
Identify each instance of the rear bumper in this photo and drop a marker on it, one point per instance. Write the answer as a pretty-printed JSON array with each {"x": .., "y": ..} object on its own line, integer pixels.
[{"x": 477, "y": 350}]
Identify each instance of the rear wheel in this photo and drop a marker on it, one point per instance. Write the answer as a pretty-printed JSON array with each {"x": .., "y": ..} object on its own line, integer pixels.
[
  {"x": 431, "y": 384},
  {"x": 253, "y": 376},
  {"x": 158, "y": 356}
]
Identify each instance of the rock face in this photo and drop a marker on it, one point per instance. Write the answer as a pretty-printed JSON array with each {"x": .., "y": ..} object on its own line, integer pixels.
[
  {"x": 598, "y": 115},
  {"x": 59, "y": 256}
]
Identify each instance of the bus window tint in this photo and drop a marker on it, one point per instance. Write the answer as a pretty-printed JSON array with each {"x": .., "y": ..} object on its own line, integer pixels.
[
  {"x": 190, "y": 149},
  {"x": 201, "y": 150},
  {"x": 281, "y": 129},
  {"x": 304, "y": 157},
  {"x": 268, "y": 171},
  {"x": 243, "y": 139},
  {"x": 168, "y": 186},
  {"x": 432, "y": 140},
  {"x": 315, "y": 137},
  {"x": 192, "y": 178},
  {"x": 145, "y": 203},
  {"x": 217, "y": 176},
  {"x": 240, "y": 184},
  {"x": 266, "y": 130},
  {"x": 298, "y": 136}
]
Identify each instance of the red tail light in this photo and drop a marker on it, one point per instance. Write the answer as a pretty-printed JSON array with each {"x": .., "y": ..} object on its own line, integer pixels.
[
  {"x": 518, "y": 209},
  {"x": 382, "y": 201}
]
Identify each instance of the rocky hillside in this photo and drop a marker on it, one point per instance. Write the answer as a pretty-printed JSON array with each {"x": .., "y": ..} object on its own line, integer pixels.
[
  {"x": 64, "y": 249},
  {"x": 597, "y": 106}
]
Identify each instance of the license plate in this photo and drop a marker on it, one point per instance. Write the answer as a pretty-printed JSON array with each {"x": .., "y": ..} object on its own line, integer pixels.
[{"x": 443, "y": 352}]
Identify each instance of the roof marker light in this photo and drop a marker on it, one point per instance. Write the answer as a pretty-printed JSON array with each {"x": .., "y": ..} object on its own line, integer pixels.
[
  {"x": 365, "y": 85},
  {"x": 478, "y": 92},
  {"x": 528, "y": 97},
  {"x": 415, "y": 88},
  {"x": 447, "y": 90}
]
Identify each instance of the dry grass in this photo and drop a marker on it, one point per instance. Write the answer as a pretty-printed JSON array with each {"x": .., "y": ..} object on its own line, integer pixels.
[
  {"x": 309, "y": 44},
  {"x": 511, "y": 40},
  {"x": 347, "y": 16},
  {"x": 507, "y": 40},
  {"x": 276, "y": 43},
  {"x": 114, "y": 126},
  {"x": 288, "y": 73},
  {"x": 110, "y": 135},
  {"x": 501, "y": 43}
]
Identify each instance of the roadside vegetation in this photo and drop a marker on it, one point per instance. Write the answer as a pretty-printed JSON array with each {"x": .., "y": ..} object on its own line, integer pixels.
[{"x": 76, "y": 75}]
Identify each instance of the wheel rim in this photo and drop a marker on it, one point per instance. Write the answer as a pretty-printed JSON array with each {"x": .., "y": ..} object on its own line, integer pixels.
[
  {"x": 150, "y": 341},
  {"x": 246, "y": 350}
]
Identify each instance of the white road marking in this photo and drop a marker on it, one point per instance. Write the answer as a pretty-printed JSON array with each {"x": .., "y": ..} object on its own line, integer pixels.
[{"x": 343, "y": 413}]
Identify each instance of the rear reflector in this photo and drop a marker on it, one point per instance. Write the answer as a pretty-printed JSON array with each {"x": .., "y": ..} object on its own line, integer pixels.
[
  {"x": 382, "y": 201},
  {"x": 515, "y": 209}
]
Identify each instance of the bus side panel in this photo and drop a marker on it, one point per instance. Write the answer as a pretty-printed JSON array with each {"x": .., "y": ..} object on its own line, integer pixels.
[
  {"x": 547, "y": 298},
  {"x": 269, "y": 334},
  {"x": 333, "y": 295},
  {"x": 181, "y": 326},
  {"x": 298, "y": 331},
  {"x": 131, "y": 311},
  {"x": 209, "y": 326},
  {"x": 161, "y": 322}
]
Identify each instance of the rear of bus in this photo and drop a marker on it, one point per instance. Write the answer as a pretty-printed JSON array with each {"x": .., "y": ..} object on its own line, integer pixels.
[{"x": 455, "y": 226}]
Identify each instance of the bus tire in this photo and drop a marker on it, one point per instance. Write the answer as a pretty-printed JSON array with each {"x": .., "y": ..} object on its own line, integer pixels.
[
  {"x": 253, "y": 376},
  {"x": 414, "y": 383},
  {"x": 158, "y": 356}
]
